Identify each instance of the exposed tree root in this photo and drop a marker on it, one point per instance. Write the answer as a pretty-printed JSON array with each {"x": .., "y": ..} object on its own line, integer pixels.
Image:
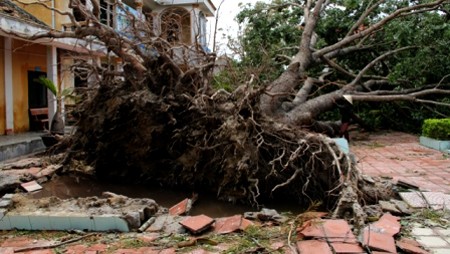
[{"x": 218, "y": 142}]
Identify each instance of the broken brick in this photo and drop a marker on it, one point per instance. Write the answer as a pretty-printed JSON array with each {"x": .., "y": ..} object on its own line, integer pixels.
[
  {"x": 346, "y": 248},
  {"x": 379, "y": 241},
  {"x": 180, "y": 208},
  {"x": 332, "y": 230},
  {"x": 197, "y": 224},
  {"x": 313, "y": 247},
  {"x": 409, "y": 247},
  {"x": 245, "y": 224},
  {"x": 387, "y": 224},
  {"x": 228, "y": 224}
]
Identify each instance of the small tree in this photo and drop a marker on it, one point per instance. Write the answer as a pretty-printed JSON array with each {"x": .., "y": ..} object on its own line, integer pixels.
[{"x": 57, "y": 123}]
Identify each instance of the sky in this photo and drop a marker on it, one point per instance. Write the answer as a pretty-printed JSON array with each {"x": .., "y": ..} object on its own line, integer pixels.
[{"x": 227, "y": 12}]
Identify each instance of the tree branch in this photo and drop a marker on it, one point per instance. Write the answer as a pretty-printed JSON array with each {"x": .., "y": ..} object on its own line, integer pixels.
[
  {"x": 304, "y": 92},
  {"x": 376, "y": 60},
  {"x": 362, "y": 17},
  {"x": 414, "y": 96}
]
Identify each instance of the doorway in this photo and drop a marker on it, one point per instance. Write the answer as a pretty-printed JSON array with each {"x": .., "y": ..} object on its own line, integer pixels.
[{"x": 37, "y": 95}]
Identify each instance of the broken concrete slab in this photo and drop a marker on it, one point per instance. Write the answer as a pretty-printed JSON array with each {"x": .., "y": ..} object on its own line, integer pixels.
[
  {"x": 402, "y": 206},
  {"x": 8, "y": 196},
  {"x": 413, "y": 199},
  {"x": 197, "y": 224},
  {"x": 266, "y": 215},
  {"x": 433, "y": 200},
  {"x": 437, "y": 200},
  {"x": 5, "y": 203},
  {"x": 168, "y": 224},
  {"x": 23, "y": 163},
  {"x": 92, "y": 214},
  {"x": 49, "y": 170},
  {"x": 387, "y": 206},
  {"x": 13, "y": 178}
]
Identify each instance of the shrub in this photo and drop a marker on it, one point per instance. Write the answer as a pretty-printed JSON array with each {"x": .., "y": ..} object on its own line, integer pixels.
[{"x": 436, "y": 128}]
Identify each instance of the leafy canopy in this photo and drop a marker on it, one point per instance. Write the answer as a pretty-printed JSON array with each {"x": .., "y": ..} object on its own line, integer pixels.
[{"x": 272, "y": 33}]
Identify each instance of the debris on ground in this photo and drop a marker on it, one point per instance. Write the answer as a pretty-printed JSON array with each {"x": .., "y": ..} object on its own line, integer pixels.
[
  {"x": 197, "y": 224},
  {"x": 14, "y": 174},
  {"x": 31, "y": 186},
  {"x": 266, "y": 215},
  {"x": 171, "y": 230}
]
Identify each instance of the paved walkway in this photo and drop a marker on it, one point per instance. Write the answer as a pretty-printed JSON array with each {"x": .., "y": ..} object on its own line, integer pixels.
[{"x": 400, "y": 156}]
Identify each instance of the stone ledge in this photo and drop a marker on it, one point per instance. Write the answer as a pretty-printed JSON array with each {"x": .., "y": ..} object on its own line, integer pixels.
[{"x": 440, "y": 145}]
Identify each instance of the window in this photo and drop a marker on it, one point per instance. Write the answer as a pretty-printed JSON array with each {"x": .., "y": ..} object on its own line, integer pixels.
[{"x": 176, "y": 25}]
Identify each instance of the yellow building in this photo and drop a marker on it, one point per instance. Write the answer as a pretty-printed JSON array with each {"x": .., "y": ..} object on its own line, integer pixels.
[{"x": 21, "y": 61}]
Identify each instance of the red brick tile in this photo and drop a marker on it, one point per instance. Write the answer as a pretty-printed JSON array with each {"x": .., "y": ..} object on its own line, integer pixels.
[
  {"x": 410, "y": 247},
  {"x": 379, "y": 241},
  {"x": 245, "y": 224},
  {"x": 313, "y": 247},
  {"x": 180, "y": 208},
  {"x": 31, "y": 186},
  {"x": 387, "y": 224},
  {"x": 196, "y": 224},
  {"x": 333, "y": 230},
  {"x": 228, "y": 224},
  {"x": 75, "y": 249},
  {"x": 347, "y": 248}
]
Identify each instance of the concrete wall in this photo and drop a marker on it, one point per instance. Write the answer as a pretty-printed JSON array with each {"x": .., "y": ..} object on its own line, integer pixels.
[
  {"x": 2, "y": 88},
  {"x": 62, "y": 5},
  {"x": 26, "y": 58},
  {"x": 38, "y": 11}
]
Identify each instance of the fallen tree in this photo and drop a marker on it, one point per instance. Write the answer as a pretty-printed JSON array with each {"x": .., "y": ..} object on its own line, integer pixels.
[{"x": 159, "y": 121}]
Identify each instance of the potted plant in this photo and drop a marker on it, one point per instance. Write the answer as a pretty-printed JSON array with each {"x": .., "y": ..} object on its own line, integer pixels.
[
  {"x": 436, "y": 134},
  {"x": 57, "y": 122}
]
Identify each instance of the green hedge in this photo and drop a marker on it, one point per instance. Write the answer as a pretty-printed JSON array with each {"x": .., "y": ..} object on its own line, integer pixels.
[{"x": 437, "y": 128}]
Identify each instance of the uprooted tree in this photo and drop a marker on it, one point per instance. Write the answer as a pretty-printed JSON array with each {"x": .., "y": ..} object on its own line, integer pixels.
[{"x": 159, "y": 120}]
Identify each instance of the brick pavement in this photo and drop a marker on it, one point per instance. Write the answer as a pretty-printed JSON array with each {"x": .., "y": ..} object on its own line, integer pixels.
[{"x": 400, "y": 156}]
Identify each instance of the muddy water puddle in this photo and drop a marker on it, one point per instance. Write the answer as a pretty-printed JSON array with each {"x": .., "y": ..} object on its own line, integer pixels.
[{"x": 66, "y": 187}]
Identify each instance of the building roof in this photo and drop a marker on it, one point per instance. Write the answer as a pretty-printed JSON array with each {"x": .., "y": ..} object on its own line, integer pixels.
[{"x": 10, "y": 9}]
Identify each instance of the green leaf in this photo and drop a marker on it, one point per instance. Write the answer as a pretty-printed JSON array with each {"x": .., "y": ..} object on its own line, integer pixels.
[{"x": 48, "y": 84}]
